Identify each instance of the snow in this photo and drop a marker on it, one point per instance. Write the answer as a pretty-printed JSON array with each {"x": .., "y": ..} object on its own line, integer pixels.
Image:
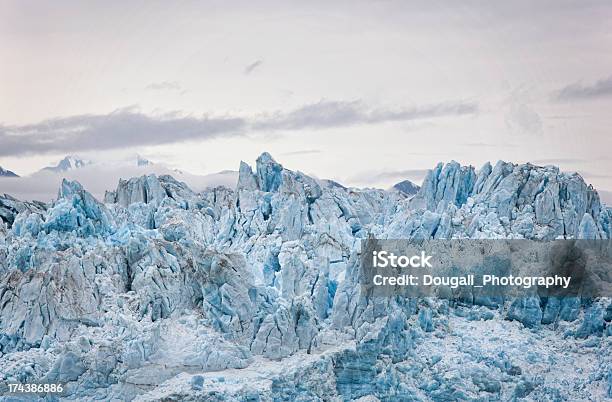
[
  {"x": 70, "y": 162},
  {"x": 7, "y": 173}
]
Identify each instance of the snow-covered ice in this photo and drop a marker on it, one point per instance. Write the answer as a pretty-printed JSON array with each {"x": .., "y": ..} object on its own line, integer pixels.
[{"x": 161, "y": 293}]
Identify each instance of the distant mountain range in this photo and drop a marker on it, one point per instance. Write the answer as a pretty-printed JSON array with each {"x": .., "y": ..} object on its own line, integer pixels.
[
  {"x": 140, "y": 161},
  {"x": 70, "y": 162},
  {"x": 7, "y": 173},
  {"x": 406, "y": 187}
]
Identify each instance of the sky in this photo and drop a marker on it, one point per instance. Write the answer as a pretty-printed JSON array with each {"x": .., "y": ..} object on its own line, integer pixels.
[{"x": 366, "y": 93}]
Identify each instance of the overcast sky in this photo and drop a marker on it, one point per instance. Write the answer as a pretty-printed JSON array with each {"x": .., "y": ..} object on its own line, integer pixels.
[{"x": 366, "y": 93}]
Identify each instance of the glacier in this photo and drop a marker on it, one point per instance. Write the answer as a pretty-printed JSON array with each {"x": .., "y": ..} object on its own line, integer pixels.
[{"x": 159, "y": 293}]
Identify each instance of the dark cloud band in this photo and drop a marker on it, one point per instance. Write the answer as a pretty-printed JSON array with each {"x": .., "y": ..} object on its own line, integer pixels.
[
  {"x": 126, "y": 128},
  {"x": 601, "y": 88},
  {"x": 120, "y": 129}
]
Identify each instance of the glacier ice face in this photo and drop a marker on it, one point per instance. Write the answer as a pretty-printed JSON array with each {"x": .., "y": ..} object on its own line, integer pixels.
[
  {"x": 78, "y": 211},
  {"x": 506, "y": 201},
  {"x": 161, "y": 293}
]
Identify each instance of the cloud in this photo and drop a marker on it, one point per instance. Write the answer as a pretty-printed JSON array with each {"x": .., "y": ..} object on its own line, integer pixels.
[
  {"x": 590, "y": 175},
  {"x": 385, "y": 178},
  {"x": 120, "y": 129},
  {"x": 578, "y": 91},
  {"x": 605, "y": 196},
  {"x": 558, "y": 161},
  {"x": 127, "y": 128},
  {"x": 401, "y": 174},
  {"x": 523, "y": 120},
  {"x": 487, "y": 145},
  {"x": 327, "y": 114},
  {"x": 302, "y": 152},
  {"x": 98, "y": 178},
  {"x": 562, "y": 161},
  {"x": 251, "y": 67},
  {"x": 164, "y": 86}
]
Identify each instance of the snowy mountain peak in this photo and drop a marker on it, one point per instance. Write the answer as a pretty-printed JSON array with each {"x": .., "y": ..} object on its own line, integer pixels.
[
  {"x": 70, "y": 162},
  {"x": 7, "y": 173},
  {"x": 140, "y": 161},
  {"x": 406, "y": 187}
]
